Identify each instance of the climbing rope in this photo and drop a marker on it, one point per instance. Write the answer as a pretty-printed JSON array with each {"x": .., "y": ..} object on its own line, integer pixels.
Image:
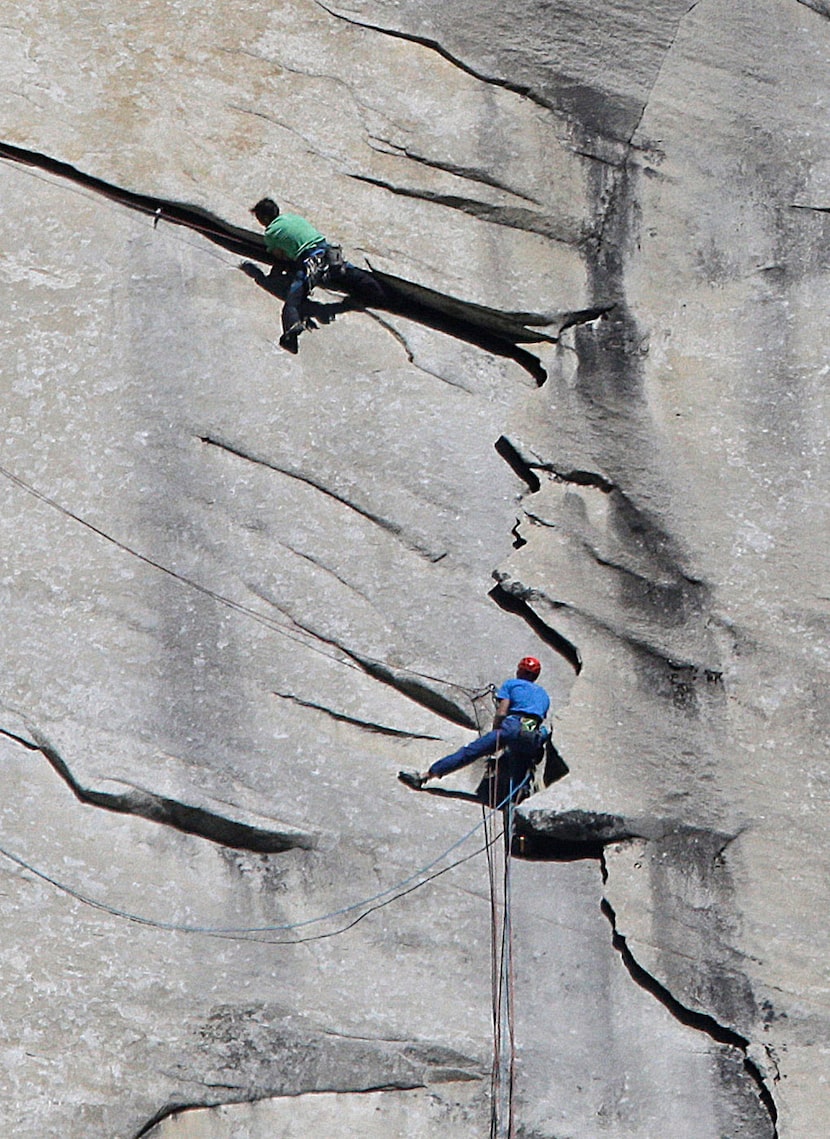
[
  {"x": 368, "y": 905},
  {"x": 502, "y": 975},
  {"x": 307, "y": 640}
]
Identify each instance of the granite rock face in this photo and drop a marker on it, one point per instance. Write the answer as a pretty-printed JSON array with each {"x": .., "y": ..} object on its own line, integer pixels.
[{"x": 242, "y": 588}]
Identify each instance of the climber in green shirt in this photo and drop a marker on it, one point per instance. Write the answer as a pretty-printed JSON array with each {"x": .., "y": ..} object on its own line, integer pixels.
[{"x": 316, "y": 262}]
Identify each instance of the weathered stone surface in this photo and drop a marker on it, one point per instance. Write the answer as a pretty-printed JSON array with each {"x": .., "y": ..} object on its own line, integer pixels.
[
  {"x": 405, "y": 1114},
  {"x": 241, "y": 589}
]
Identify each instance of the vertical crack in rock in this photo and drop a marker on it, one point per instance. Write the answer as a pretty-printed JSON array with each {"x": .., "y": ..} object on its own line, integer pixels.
[
  {"x": 659, "y": 71},
  {"x": 185, "y": 817},
  {"x": 701, "y": 1022},
  {"x": 610, "y": 358},
  {"x": 518, "y": 540}
]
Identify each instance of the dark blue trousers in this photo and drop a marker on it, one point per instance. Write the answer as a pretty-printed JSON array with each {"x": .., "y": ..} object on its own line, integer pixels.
[{"x": 487, "y": 744}]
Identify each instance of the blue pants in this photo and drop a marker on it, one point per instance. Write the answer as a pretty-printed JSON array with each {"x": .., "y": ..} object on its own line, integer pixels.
[
  {"x": 487, "y": 744},
  {"x": 347, "y": 276}
]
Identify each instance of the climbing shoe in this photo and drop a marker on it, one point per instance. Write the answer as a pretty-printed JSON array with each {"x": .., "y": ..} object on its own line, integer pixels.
[
  {"x": 412, "y": 779},
  {"x": 288, "y": 341}
]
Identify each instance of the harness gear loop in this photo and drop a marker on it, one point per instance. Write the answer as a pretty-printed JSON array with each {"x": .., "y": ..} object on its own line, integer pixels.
[{"x": 320, "y": 264}]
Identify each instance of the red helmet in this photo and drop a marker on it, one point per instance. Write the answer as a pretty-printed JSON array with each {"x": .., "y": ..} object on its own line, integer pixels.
[{"x": 529, "y": 665}]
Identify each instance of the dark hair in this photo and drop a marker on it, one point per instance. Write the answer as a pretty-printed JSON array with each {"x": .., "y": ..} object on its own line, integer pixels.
[{"x": 265, "y": 211}]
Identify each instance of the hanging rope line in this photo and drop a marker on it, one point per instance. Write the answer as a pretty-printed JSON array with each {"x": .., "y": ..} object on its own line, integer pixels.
[
  {"x": 502, "y": 980},
  {"x": 503, "y": 1071},
  {"x": 494, "y": 982},
  {"x": 307, "y": 640},
  {"x": 400, "y": 889},
  {"x": 508, "y": 1066}
]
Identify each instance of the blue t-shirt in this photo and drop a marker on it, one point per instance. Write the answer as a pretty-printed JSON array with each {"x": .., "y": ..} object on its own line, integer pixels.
[{"x": 526, "y": 698}]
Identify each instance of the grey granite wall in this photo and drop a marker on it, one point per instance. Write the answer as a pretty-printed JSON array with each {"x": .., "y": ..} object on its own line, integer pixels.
[{"x": 241, "y": 588}]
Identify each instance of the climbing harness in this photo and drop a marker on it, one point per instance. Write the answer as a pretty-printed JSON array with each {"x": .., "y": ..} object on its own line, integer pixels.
[{"x": 321, "y": 264}]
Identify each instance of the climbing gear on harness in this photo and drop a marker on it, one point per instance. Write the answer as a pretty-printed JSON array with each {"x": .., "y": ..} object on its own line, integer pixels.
[
  {"x": 529, "y": 665},
  {"x": 321, "y": 263},
  {"x": 512, "y": 774},
  {"x": 412, "y": 779},
  {"x": 529, "y": 744}
]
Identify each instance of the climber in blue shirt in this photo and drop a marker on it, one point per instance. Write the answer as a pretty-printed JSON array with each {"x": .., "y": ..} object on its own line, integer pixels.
[{"x": 522, "y": 707}]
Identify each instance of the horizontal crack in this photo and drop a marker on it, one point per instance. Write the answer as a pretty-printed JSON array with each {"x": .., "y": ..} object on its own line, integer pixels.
[
  {"x": 386, "y": 524},
  {"x": 513, "y": 217},
  {"x": 171, "y": 1110},
  {"x": 491, "y": 329},
  {"x": 409, "y": 684},
  {"x": 434, "y": 45},
  {"x": 181, "y": 816},
  {"x": 589, "y": 831},
  {"x": 366, "y": 725},
  {"x": 526, "y": 464},
  {"x": 237, "y": 240},
  {"x": 683, "y": 672},
  {"x": 471, "y": 174},
  {"x": 413, "y": 688}
]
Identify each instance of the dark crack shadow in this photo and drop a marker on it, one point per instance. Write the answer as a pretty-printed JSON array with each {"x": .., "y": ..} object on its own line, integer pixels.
[
  {"x": 517, "y": 462},
  {"x": 364, "y": 725},
  {"x": 184, "y": 817},
  {"x": 511, "y": 603},
  {"x": 493, "y": 330},
  {"x": 700, "y": 1022}
]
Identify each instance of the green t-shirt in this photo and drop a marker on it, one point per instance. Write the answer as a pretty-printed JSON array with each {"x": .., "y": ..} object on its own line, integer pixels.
[{"x": 292, "y": 236}]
